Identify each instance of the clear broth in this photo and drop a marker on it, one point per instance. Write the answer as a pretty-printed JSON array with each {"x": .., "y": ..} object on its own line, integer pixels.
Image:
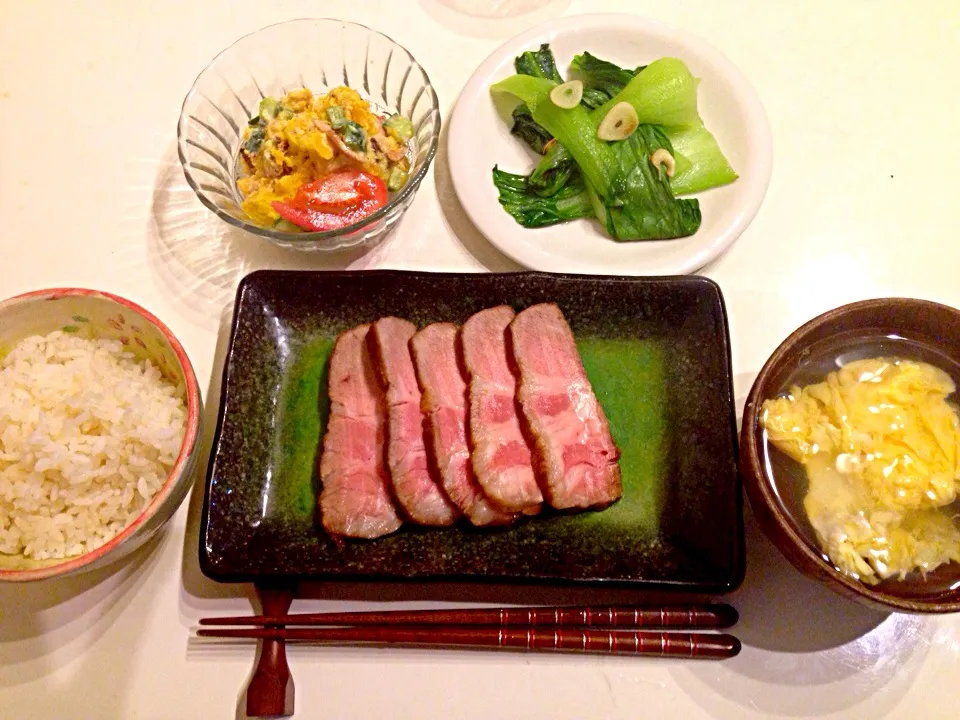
[{"x": 789, "y": 478}]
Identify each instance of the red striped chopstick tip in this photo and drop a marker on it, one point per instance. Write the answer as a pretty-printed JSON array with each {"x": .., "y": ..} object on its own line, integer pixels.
[{"x": 603, "y": 642}]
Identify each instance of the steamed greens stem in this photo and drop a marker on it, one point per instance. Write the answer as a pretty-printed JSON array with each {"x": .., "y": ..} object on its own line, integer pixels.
[
  {"x": 701, "y": 164},
  {"x": 572, "y": 128},
  {"x": 663, "y": 93},
  {"x": 540, "y": 64}
]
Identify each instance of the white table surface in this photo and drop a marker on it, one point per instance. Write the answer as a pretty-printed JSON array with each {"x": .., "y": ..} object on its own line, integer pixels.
[{"x": 862, "y": 204}]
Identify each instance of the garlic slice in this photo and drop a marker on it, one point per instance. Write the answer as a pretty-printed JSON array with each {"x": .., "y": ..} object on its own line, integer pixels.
[
  {"x": 567, "y": 95},
  {"x": 661, "y": 156},
  {"x": 619, "y": 123}
]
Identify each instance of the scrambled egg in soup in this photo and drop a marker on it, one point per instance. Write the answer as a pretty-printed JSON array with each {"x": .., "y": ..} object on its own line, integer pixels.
[
  {"x": 303, "y": 138},
  {"x": 881, "y": 448}
]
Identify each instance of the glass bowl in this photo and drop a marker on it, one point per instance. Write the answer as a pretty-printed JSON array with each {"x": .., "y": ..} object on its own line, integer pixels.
[{"x": 318, "y": 54}]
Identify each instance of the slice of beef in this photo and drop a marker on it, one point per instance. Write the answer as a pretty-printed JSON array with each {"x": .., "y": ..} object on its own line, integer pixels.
[
  {"x": 355, "y": 500},
  {"x": 500, "y": 455},
  {"x": 441, "y": 378},
  {"x": 573, "y": 445},
  {"x": 416, "y": 488}
]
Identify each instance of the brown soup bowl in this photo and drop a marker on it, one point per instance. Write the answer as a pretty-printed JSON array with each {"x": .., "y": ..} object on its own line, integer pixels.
[{"x": 926, "y": 323}]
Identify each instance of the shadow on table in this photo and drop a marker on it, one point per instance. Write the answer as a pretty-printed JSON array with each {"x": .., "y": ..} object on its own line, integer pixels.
[
  {"x": 798, "y": 637},
  {"x": 40, "y": 619},
  {"x": 199, "y": 593},
  {"x": 785, "y": 611}
]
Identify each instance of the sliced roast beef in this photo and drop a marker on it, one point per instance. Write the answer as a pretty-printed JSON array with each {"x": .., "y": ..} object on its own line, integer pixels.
[
  {"x": 441, "y": 378},
  {"x": 500, "y": 455},
  {"x": 355, "y": 500},
  {"x": 573, "y": 445},
  {"x": 416, "y": 488}
]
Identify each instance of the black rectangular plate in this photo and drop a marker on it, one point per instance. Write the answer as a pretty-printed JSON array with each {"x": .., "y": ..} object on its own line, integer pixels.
[{"x": 657, "y": 351}]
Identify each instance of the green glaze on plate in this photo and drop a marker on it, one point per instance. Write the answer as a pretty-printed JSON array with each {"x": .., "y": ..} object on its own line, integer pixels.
[
  {"x": 301, "y": 419},
  {"x": 629, "y": 380},
  {"x": 656, "y": 351}
]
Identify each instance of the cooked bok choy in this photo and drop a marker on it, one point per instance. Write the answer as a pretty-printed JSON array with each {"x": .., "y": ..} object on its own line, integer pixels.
[{"x": 627, "y": 183}]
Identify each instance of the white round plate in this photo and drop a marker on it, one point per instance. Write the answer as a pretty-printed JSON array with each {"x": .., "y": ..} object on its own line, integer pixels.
[{"x": 480, "y": 138}]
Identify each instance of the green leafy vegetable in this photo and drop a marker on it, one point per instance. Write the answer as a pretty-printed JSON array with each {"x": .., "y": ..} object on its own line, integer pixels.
[
  {"x": 255, "y": 140},
  {"x": 336, "y": 117},
  {"x": 268, "y": 109},
  {"x": 531, "y": 210},
  {"x": 582, "y": 176},
  {"x": 558, "y": 165},
  {"x": 601, "y": 75},
  {"x": 635, "y": 203},
  {"x": 400, "y": 127},
  {"x": 649, "y": 211},
  {"x": 554, "y": 171},
  {"x": 574, "y": 129},
  {"x": 593, "y": 98},
  {"x": 663, "y": 93},
  {"x": 529, "y": 130},
  {"x": 354, "y": 136},
  {"x": 701, "y": 164},
  {"x": 352, "y": 133},
  {"x": 282, "y": 225},
  {"x": 397, "y": 179},
  {"x": 539, "y": 63}
]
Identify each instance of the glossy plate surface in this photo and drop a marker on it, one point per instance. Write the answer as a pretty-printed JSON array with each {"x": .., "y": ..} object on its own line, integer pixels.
[
  {"x": 656, "y": 351},
  {"x": 480, "y": 137}
]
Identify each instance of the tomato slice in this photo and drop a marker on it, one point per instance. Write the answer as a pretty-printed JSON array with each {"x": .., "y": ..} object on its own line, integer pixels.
[{"x": 335, "y": 201}]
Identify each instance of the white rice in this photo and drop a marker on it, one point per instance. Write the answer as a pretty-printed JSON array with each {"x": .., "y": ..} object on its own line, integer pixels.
[{"x": 88, "y": 436}]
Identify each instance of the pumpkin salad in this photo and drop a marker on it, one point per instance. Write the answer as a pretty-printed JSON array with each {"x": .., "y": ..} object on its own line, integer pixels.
[{"x": 321, "y": 162}]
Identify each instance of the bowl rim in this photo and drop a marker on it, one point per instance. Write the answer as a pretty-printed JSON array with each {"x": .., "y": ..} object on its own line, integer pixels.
[
  {"x": 406, "y": 191},
  {"x": 187, "y": 446},
  {"x": 777, "y": 524}
]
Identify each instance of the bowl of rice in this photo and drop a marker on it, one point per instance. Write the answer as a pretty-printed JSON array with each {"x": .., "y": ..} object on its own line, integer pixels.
[{"x": 99, "y": 430}]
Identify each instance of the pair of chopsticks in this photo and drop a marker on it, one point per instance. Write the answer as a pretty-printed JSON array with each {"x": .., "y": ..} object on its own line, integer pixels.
[{"x": 608, "y": 630}]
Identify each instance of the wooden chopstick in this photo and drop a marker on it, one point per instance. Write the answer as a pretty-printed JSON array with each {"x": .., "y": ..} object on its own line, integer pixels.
[
  {"x": 605, "y": 642},
  {"x": 699, "y": 616}
]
